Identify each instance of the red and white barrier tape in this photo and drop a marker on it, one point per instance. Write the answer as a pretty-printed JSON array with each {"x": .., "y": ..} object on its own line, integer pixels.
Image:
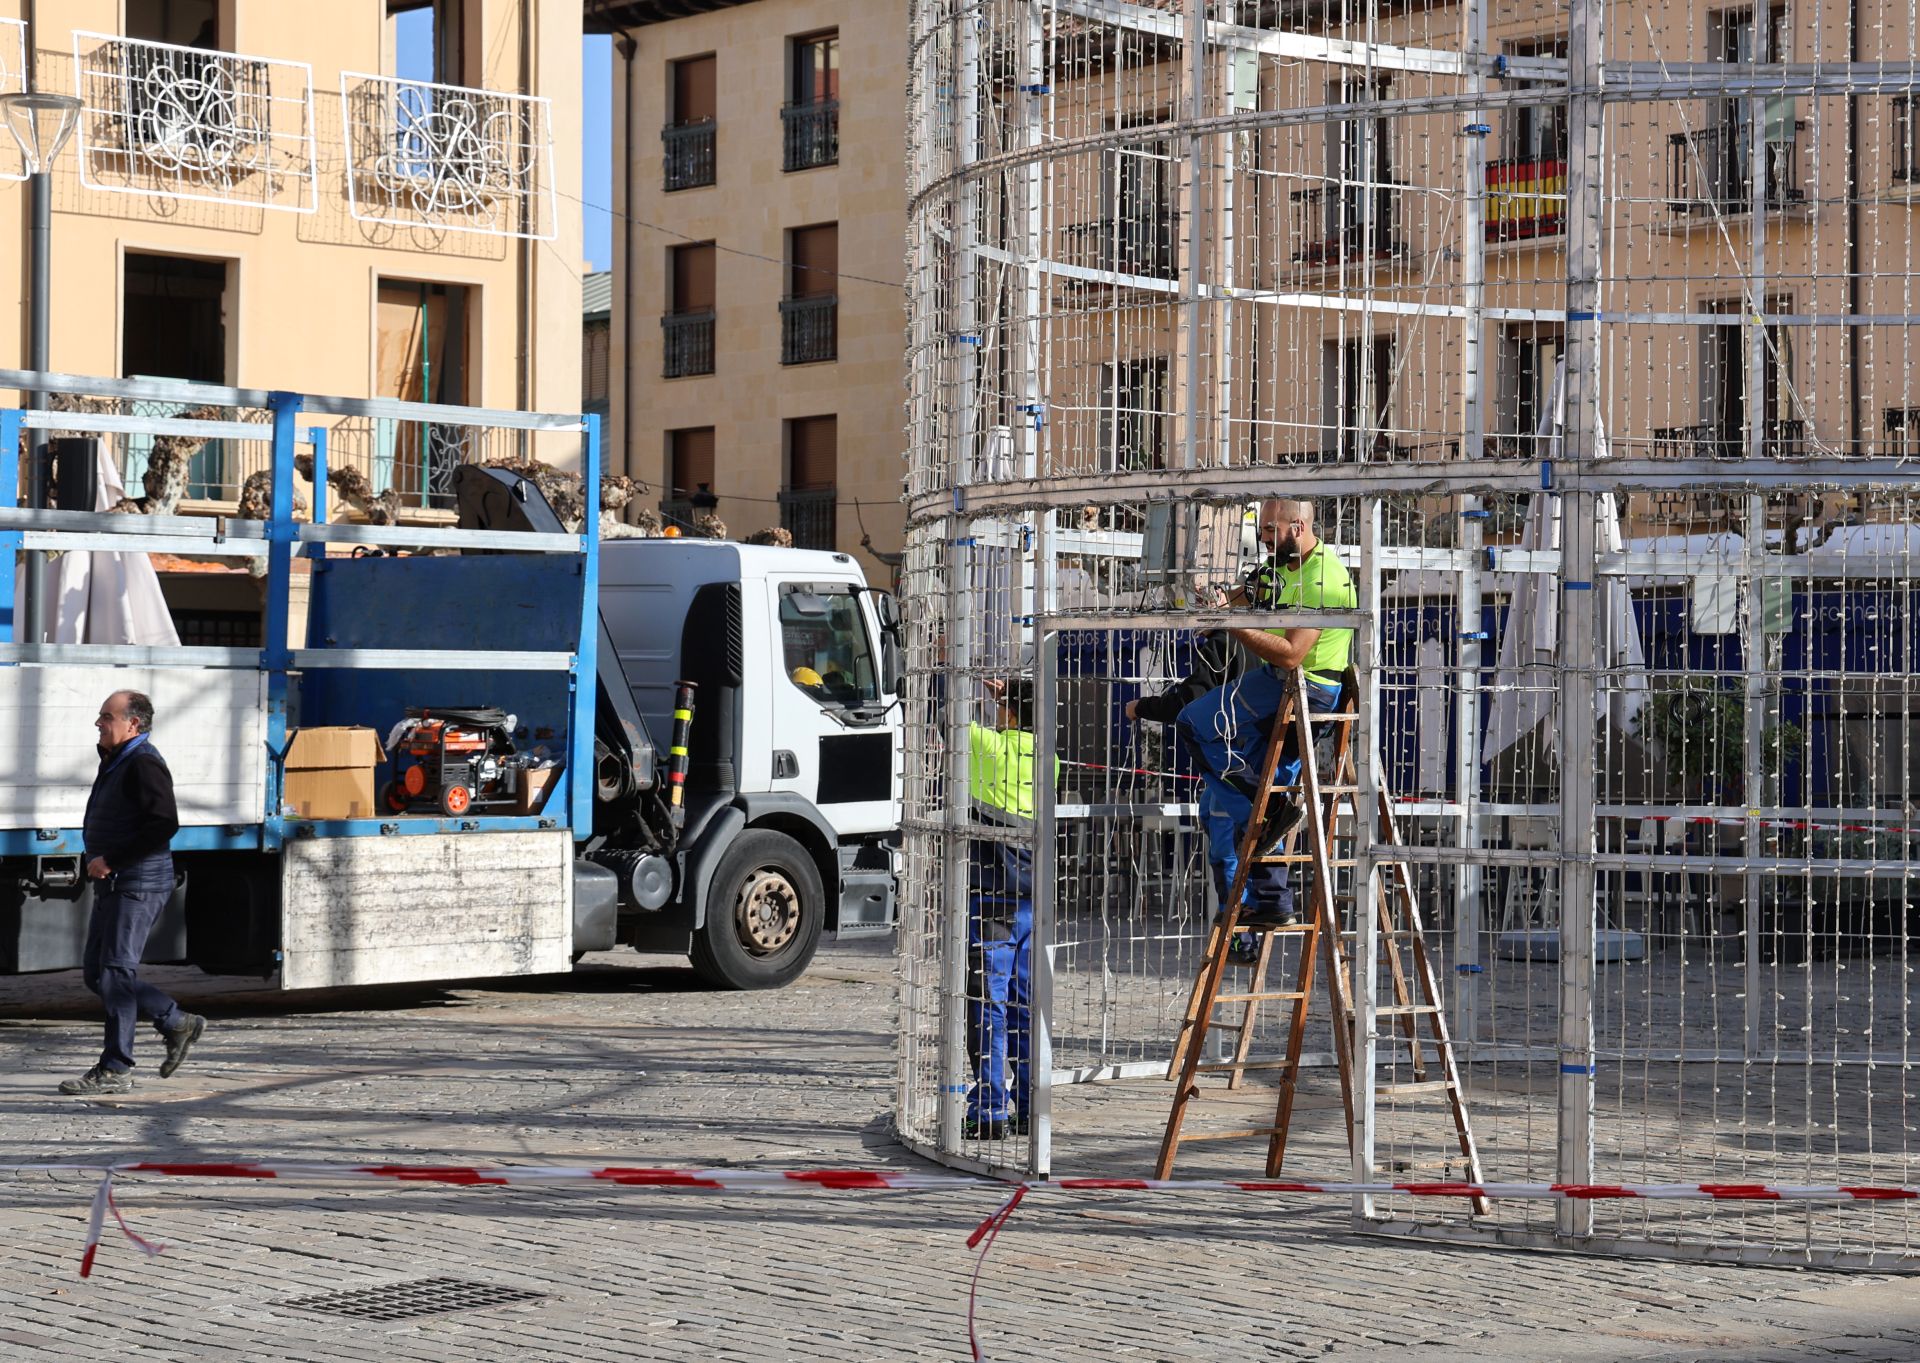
[{"x": 887, "y": 1180}]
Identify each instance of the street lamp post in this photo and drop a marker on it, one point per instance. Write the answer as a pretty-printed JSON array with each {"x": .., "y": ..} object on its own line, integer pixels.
[{"x": 41, "y": 123}]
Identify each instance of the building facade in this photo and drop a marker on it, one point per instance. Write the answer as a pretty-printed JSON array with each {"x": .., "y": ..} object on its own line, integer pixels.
[
  {"x": 383, "y": 204},
  {"x": 757, "y": 323}
]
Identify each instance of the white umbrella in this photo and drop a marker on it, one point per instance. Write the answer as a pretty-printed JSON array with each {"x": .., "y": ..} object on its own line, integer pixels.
[
  {"x": 1526, "y": 676},
  {"x": 99, "y": 597}
]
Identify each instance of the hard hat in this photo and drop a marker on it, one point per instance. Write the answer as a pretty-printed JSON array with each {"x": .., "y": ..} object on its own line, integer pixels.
[{"x": 806, "y": 676}]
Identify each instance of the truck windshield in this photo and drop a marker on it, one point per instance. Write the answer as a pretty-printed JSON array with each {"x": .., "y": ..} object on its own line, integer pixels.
[{"x": 828, "y": 654}]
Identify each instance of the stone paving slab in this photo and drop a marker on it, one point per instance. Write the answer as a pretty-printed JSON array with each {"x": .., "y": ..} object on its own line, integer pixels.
[{"x": 631, "y": 1060}]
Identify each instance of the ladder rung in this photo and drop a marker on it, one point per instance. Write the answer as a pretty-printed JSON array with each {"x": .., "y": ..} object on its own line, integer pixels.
[
  {"x": 1241, "y": 1135},
  {"x": 1402, "y": 1010},
  {"x": 1290, "y": 858},
  {"x": 1216, "y": 1066},
  {"x": 1290, "y": 995},
  {"x": 1272, "y": 927},
  {"x": 1413, "y": 1089}
]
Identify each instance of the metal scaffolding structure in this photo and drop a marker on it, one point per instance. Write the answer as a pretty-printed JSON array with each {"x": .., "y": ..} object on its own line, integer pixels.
[{"x": 1588, "y": 331}]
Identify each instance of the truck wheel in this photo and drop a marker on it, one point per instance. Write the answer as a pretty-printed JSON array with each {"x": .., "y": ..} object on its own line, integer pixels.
[{"x": 764, "y": 912}]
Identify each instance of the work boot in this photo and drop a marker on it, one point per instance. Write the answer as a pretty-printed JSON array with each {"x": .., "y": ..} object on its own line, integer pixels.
[
  {"x": 99, "y": 1079},
  {"x": 179, "y": 1041},
  {"x": 1262, "y": 916},
  {"x": 985, "y": 1129},
  {"x": 1282, "y": 817}
]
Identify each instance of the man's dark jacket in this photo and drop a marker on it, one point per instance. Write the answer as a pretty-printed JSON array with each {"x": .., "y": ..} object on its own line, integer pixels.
[{"x": 131, "y": 815}]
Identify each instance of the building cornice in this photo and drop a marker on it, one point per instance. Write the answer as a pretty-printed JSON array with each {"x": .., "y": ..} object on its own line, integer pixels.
[{"x": 616, "y": 16}]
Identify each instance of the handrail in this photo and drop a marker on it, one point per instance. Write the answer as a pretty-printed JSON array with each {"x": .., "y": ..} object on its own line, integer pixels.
[{"x": 214, "y": 395}]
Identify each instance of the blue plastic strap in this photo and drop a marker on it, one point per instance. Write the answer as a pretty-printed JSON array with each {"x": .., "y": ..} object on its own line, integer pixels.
[
  {"x": 1469, "y": 968},
  {"x": 1578, "y": 586},
  {"x": 1579, "y": 1069},
  {"x": 1546, "y": 475},
  {"x": 1478, "y": 515}
]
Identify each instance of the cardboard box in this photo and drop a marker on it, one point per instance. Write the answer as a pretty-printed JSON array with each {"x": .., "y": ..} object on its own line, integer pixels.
[
  {"x": 532, "y": 792},
  {"x": 329, "y": 773}
]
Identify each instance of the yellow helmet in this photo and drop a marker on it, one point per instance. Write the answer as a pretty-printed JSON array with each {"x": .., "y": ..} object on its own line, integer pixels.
[{"x": 806, "y": 676}]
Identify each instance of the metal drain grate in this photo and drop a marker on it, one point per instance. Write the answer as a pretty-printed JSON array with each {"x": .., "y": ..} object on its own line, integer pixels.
[{"x": 408, "y": 1301}]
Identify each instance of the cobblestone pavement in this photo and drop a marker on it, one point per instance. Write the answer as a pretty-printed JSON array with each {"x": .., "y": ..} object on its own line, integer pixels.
[{"x": 629, "y": 1060}]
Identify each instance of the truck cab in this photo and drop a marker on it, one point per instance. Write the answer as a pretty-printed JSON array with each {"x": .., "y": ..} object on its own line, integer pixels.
[{"x": 792, "y": 788}]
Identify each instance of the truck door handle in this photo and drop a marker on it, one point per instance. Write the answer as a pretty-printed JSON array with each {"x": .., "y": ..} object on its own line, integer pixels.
[{"x": 786, "y": 767}]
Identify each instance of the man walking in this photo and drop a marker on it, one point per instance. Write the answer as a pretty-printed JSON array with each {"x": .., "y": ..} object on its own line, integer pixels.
[
  {"x": 131, "y": 818},
  {"x": 1227, "y": 727}
]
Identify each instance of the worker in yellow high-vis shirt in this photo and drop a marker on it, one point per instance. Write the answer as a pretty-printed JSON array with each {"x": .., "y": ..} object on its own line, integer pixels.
[
  {"x": 1228, "y": 727},
  {"x": 1000, "y": 914}
]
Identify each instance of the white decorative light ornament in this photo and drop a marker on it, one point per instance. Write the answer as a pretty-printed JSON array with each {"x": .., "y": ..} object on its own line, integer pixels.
[{"x": 41, "y": 123}]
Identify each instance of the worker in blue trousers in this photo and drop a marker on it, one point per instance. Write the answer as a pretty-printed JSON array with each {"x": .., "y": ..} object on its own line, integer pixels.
[
  {"x": 1216, "y": 660},
  {"x": 1000, "y": 915},
  {"x": 1228, "y": 728}
]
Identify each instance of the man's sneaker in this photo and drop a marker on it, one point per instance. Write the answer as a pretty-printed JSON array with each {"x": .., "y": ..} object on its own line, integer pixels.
[
  {"x": 1244, "y": 949},
  {"x": 179, "y": 1041},
  {"x": 99, "y": 1079}
]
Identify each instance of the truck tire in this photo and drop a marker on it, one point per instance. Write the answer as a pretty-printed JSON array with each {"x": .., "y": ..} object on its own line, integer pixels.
[{"x": 765, "y": 909}]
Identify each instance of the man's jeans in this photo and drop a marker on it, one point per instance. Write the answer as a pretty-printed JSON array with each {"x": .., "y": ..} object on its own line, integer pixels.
[
  {"x": 999, "y": 1006},
  {"x": 1227, "y": 729},
  {"x": 116, "y": 935}
]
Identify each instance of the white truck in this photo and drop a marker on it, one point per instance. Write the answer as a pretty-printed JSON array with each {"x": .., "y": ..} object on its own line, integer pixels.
[{"x": 789, "y": 791}]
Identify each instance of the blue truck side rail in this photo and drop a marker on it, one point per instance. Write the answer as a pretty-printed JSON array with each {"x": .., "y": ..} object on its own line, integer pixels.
[{"x": 516, "y": 628}]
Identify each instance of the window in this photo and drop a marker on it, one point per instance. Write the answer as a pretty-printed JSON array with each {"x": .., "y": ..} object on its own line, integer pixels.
[
  {"x": 1724, "y": 414},
  {"x": 184, "y": 23},
  {"x": 687, "y": 329},
  {"x": 428, "y": 40},
  {"x": 807, "y": 501},
  {"x": 688, "y": 138},
  {"x": 824, "y": 644},
  {"x": 1137, "y": 232},
  {"x": 689, "y": 472},
  {"x": 421, "y": 355},
  {"x": 809, "y": 314},
  {"x": 1133, "y": 415},
  {"x": 1527, "y": 186},
  {"x": 1906, "y": 155},
  {"x": 1529, "y": 355},
  {"x": 810, "y": 119},
  {"x": 174, "y": 326},
  {"x": 1716, "y": 164},
  {"x": 1352, "y": 215},
  {"x": 1342, "y": 379}
]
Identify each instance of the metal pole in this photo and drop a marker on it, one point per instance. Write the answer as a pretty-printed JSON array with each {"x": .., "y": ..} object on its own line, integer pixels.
[
  {"x": 1579, "y": 674},
  {"x": 40, "y": 249},
  {"x": 1365, "y": 1047},
  {"x": 956, "y": 1064}
]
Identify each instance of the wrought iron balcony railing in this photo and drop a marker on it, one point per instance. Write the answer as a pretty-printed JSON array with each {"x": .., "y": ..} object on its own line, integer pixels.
[
  {"x": 1332, "y": 224},
  {"x": 184, "y": 122},
  {"x": 1526, "y": 199},
  {"x": 677, "y": 511},
  {"x": 449, "y": 158},
  {"x": 810, "y": 135},
  {"x": 1712, "y": 170},
  {"x": 686, "y": 344},
  {"x": 809, "y": 329},
  {"x": 1145, "y": 243},
  {"x": 1784, "y": 439},
  {"x": 688, "y": 155},
  {"x": 808, "y": 515},
  {"x": 1902, "y": 427}
]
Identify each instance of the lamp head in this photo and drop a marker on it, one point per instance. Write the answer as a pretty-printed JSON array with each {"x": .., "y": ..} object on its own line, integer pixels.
[{"x": 41, "y": 123}]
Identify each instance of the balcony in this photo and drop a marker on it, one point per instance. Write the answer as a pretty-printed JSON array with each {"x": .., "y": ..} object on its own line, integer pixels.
[
  {"x": 1330, "y": 224},
  {"x": 810, "y": 135},
  {"x": 1140, "y": 244},
  {"x": 1786, "y": 439},
  {"x": 185, "y": 122},
  {"x": 810, "y": 329},
  {"x": 448, "y": 158},
  {"x": 677, "y": 512},
  {"x": 1902, "y": 427},
  {"x": 686, "y": 344},
  {"x": 1709, "y": 172},
  {"x": 687, "y": 154},
  {"x": 1526, "y": 199},
  {"x": 808, "y": 515}
]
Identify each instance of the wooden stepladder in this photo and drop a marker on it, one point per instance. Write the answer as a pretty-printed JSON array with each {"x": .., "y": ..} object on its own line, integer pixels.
[{"x": 1330, "y": 801}]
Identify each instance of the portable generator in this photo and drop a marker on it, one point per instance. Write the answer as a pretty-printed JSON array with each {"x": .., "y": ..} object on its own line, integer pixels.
[{"x": 457, "y": 759}]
